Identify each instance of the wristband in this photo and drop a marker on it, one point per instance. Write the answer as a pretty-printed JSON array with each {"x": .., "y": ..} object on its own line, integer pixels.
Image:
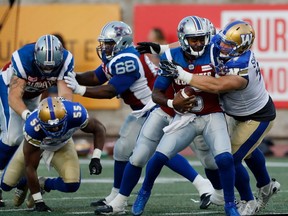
[
  {"x": 37, "y": 197},
  {"x": 25, "y": 114},
  {"x": 163, "y": 48},
  {"x": 184, "y": 75},
  {"x": 96, "y": 153},
  {"x": 170, "y": 103},
  {"x": 81, "y": 90}
]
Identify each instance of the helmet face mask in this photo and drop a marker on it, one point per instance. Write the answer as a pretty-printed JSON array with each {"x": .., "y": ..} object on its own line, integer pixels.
[
  {"x": 193, "y": 27},
  {"x": 48, "y": 55},
  {"x": 52, "y": 116},
  {"x": 237, "y": 38},
  {"x": 114, "y": 37}
]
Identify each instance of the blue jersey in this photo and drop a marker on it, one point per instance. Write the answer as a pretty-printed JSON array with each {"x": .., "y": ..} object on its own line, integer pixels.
[
  {"x": 125, "y": 72},
  {"x": 24, "y": 67},
  {"x": 77, "y": 118},
  {"x": 206, "y": 102}
]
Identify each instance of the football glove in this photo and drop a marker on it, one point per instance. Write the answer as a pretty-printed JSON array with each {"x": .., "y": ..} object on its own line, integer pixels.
[
  {"x": 41, "y": 207},
  {"x": 95, "y": 166},
  {"x": 168, "y": 69},
  {"x": 72, "y": 83},
  {"x": 148, "y": 47},
  {"x": 221, "y": 69}
]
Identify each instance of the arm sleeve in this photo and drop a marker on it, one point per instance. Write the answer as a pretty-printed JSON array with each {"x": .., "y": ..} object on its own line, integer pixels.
[{"x": 100, "y": 75}]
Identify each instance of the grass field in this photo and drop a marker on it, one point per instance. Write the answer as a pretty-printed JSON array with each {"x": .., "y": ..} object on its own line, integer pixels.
[{"x": 172, "y": 195}]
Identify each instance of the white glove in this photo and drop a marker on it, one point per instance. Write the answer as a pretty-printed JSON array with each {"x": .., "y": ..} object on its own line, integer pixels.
[{"x": 73, "y": 84}]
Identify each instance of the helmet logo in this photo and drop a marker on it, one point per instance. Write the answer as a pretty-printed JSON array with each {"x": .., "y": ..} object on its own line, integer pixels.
[
  {"x": 246, "y": 38},
  {"x": 120, "y": 31}
]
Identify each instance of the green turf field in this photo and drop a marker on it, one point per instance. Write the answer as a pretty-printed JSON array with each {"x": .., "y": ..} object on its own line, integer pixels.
[{"x": 172, "y": 195}]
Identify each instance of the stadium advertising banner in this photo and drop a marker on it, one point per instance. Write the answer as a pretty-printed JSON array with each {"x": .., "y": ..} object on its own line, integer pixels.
[
  {"x": 79, "y": 24},
  {"x": 269, "y": 21}
]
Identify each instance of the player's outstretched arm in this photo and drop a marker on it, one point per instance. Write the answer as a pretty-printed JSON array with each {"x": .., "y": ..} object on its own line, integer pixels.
[{"x": 99, "y": 135}]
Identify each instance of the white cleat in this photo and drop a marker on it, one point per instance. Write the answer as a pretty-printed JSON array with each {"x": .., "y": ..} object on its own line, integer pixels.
[
  {"x": 247, "y": 208},
  {"x": 217, "y": 198},
  {"x": 266, "y": 192}
]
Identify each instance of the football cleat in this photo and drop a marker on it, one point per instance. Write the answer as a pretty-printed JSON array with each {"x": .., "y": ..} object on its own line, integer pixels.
[
  {"x": 109, "y": 210},
  {"x": 101, "y": 202},
  {"x": 205, "y": 201},
  {"x": 2, "y": 203},
  {"x": 30, "y": 201},
  {"x": 247, "y": 208},
  {"x": 20, "y": 195},
  {"x": 217, "y": 198},
  {"x": 230, "y": 209},
  {"x": 140, "y": 202},
  {"x": 266, "y": 192}
]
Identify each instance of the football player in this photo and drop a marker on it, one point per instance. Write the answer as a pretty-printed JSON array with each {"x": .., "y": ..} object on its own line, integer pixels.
[
  {"x": 126, "y": 78},
  {"x": 247, "y": 102},
  {"x": 33, "y": 69},
  {"x": 206, "y": 117},
  {"x": 48, "y": 134}
]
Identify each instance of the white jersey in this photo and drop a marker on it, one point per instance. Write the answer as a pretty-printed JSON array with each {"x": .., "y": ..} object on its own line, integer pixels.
[{"x": 254, "y": 97}]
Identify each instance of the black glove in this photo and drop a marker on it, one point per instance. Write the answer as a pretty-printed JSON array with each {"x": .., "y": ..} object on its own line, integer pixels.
[
  {"x": 148, "y": 47},
  {"x": 41, "y": 207},
  {"x": 168, "y": 69},
  {"x": 95, "y": 166}
]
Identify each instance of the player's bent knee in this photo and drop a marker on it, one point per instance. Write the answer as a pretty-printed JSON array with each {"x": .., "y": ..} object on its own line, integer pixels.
[{"x": 224, "y": 160}]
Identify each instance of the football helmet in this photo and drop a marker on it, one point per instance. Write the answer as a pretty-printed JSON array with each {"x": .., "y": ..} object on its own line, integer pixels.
[
  {"x": 237, "y": 37},
  {"x": 211, "y": 27},
  {"x": 52, "y": 116},
  {"x": 48, "y": 54},
  {"x": 114, "y": 37},
  {"x": 191, "y": 27}
]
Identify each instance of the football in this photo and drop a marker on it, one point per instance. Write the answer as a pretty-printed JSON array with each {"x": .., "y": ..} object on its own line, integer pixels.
[{"x": 187, "y": 91}]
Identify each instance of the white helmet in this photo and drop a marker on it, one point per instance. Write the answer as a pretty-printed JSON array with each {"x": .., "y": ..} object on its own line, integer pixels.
[
  {"x": 48, "y": 54},
  {"x": 120, "y": 36},
  {"x": 193, "y": 26}
]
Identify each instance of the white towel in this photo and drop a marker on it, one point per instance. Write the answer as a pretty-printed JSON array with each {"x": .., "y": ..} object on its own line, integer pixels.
[
  {"x": 144, "y": 110},
  {"x": 184, "y": 120},
  {"x": 47, "y": 157}
]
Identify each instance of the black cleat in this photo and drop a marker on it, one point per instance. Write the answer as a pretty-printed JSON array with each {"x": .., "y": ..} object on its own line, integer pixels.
[
  {"x": 109, "y": 210},
  {"x": 101, "y": 202},
  {"x": 102, "y": 210},
  {"x": 205, "y": 201}
]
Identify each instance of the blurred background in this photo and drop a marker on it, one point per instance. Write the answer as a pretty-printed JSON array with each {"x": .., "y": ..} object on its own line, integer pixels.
[{"x": 79, "y": 23}]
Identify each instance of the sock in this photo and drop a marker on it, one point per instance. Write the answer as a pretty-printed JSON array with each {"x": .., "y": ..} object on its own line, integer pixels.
[
  {"x": 202, "y": 185},
  {"x": 153, "y": 169},
  {"x": 213, "y": 176},
  {"x": 60, "y": 185},
  {"x": 226, "y": 168},
  {"x": 119, "y": 167},
  {"x": 180, "y": 165},
  {"x": 22, "y": 183},
  {"x": 6, "y": 153},
  {"x": 112, "y": 195},
  {"x": 130, "y": 179},
  {"x": 120, "y": 200},
  {"x": 242, "y": 182},
  {"x": 256, "y": 164}
]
